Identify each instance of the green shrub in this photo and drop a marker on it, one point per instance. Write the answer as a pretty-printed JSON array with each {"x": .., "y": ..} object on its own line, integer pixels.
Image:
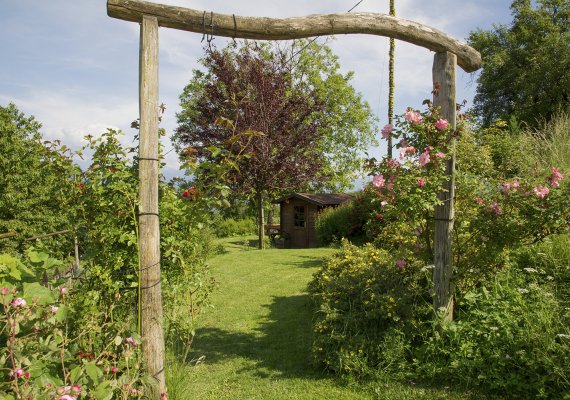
[
  {"x": 509, "y": 337},
  {"x": 335, "y": 223},
  {"x": 367, "y": 308},
  {"x": 228, "y": 227}
]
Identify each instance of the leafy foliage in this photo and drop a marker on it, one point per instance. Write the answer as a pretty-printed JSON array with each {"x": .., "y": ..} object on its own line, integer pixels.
[
  {"x": 335, "y": 223},
  {"x": 526, "y": 65}
]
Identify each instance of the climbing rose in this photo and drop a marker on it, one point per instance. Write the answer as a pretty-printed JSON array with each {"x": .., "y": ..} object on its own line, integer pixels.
[
  {"x": 378, "y": 181},
  {"x": 496, "y": 209},
  {"x": 441, "y": 124},
  {"x": 114, "y": 370},
  {"x": 424, "y": 158},
  {"x": 67, "y": 397},
  {"x": 401, "y": 263},
  {"x": 19, "y": 302},
  {"x": 413, "y": 117},
  {"x": 439, "y": 154},
  {"x": 17, "y": 373},
  {"x": 54, "y": 309},
  {"x": 541, "y": 191},
  {"x": 131, "y": 341},
  {"x": 421, "y": 182},
  {"x": 63, "y": 290},
  {"x": 75, "y": 389},
  {"x": 406, "y": 150},
  {"x": 556, "y": 175},
  {"x": 4, "y": 290},
  {"x": 479, "y": 200},
  {"x": 386, "y": 131}
]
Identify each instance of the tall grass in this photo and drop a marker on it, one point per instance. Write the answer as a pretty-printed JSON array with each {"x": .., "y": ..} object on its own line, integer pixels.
[{"x": 549, "y": 145}]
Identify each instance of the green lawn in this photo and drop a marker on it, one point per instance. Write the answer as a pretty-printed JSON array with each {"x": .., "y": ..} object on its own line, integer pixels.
[{"x": 255, "y": 343}]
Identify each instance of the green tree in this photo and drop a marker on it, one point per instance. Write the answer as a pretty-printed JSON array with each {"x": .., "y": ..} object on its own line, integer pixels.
[
  {"x": 35, "y": 182},
  {"x": 526, "y": 72},
  {"x": 287, "y": 118}
]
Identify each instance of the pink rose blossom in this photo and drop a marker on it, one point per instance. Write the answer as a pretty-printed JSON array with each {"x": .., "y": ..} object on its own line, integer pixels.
[
  {"x": 441, "y": 124},
  {"x": 75, "y": 389},
  {"x": 403, "y": 143},
  {"x": 17, "y": 373},
  {"x": 424, "y": 158},
  {"x": 553, "y": 182},
  {"x": 393, "y": 163},
  {"x": 131, "y": 341},
  {"x": 53, "y": 309},
  {"x": 413, "y": 117},
  {"x": 19, "y": 302},
  {"x": 506, "y": 187},
  {"x": 401, "y": 263},
  {"x": 387, "y": 131},
  {"x": 4, "y": 291},
  {"x": 439, "y": 154},
  {"x": 63, "y": 290},
  {"x": 67, "y": 397},
  {"x": 383, "y": 203},
  {"x": 495, "y": 208},
  {"x": 378, "y": 181},
  {"x": 114, "y": 370},
  {"x": 421, "y": 182},
  {"x": 556, "y": 174},
  {"x": 541, "y": 191},
  {"x": 164, "y": 395},
  {"x": 406, "y": 150},
  {"x": 479, "y": 200}
]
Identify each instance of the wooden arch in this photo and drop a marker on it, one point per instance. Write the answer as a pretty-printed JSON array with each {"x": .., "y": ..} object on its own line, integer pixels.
[{"x": 449, "y": 53}]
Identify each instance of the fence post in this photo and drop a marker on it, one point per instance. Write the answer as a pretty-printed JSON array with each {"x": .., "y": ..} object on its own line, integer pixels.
[
  {"x": 443, "y": 72},
  {"x": 149, "y": 231}
]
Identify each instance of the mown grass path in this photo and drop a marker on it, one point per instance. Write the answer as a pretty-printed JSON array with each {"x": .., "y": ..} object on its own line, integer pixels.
[{"x": 255, "y": 343}]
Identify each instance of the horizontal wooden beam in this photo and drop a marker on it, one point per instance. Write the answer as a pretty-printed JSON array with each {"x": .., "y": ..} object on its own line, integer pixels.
[{"x": 297, "y": 27}]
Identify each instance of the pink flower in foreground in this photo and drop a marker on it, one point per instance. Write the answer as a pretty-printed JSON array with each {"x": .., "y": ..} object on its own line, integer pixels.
[
  {"x": 131, "y": 341},
  {"x": 401, "y": 263},
  {"x": 4, "y": 291},
  {"x": 506, "y": 187},
  {"x": 393, "y": 163},
  {"x": 63, "y": 290},
  {"x": 114, "y": 370},
  {"x": 403, "y": 143},
  {"x": 421, "y": 182},
  {"x": 439, "y": 154},
  {"x": 75, "y": 389},
  {"x": 67, "y": 397},
  {"x": 413, "y": 117},
  {"x": 383, "y": 203},
  {"x": 19, "y": 302},
  {"x": 441, "y": 124},
  {"x": 541, "y": 191},
  {"x": 552, "y": 182},
  {"x": 495, "y": 208},
  {"x": 424, "y": 158},
  {"x": 556, "y": 174},
  {"x": 387, "y": 131},
  {"x": 378, "y": 181},
  {"x": 17, "y": 373},
  {"x": 53, "y": 309},
  {"x": 479, "y": 200},
  {"x": 406, "y": 150},
  {"x": 164, "y": 395}
]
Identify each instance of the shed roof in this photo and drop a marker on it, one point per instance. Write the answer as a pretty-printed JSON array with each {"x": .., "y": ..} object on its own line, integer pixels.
[{"x": 321, "y": 199}]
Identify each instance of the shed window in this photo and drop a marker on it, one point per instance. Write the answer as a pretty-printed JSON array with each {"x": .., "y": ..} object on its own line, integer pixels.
[{"x": 299, "y": 216}]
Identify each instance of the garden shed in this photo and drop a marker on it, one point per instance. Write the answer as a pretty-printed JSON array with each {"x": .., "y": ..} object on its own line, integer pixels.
[{"x": 298, "y": 214}]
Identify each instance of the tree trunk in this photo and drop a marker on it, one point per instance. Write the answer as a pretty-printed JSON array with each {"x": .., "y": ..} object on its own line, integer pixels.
[
  {"x": 444, "y": 65},
  {"x": 391, "y": 82},
  {"x": 149, "y": 231},
  {"x": 261, "y": 228}
]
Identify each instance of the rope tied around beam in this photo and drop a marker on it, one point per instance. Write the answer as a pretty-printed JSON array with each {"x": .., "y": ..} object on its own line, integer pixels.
[
  {"x": 148, "y": 213},
  {"x": 147, "y": 158},
  {"x": 151, "y": 286},
  {"x": 210, "y": 36}
]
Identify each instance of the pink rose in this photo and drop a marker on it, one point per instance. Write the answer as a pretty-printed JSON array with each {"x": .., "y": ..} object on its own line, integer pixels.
[
  {"x": 131, "y": 341},
  {"x": 4, "y": 291},
  {"x": 479, "y": 200},
  {"x": 541, "y": 191},
  {"x": 378, "y": 181},
  {"x": 53, "y": 309},
  {"x": 63, "y": 290},
  {"x": 406, "y": 150},
  {"x": 17, "y": 373},
  {"x": 67, "y": 397},
  {"x": 114, "y": 370},
  {"x": 421, "y": 182},
  {"x": 439, "y": 154},
  {"x": 387, "y": 131},
  {"x": 19, "y": 302},
  {"x": 413, "y": 117},
  {"x": 424, "y": 158},
  {"x": 556, "y": 174},
  {"x": 495, "y": 208},
  {"x": 441, "y": 124},
  {"x": 401, "y": 263}
]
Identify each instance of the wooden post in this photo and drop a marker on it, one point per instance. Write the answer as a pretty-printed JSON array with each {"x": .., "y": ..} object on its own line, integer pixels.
[
  {"x": 444, "y": 66},
  {"x": 261, "y": 227},
  {"x": 149, "y": 232}
]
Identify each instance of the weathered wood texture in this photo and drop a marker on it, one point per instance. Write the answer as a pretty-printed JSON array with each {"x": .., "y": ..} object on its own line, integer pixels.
[
  {"x": 298, "y": 27},
  {"x": 149, "y": 233},
  {"x": 444, "y": 66}
]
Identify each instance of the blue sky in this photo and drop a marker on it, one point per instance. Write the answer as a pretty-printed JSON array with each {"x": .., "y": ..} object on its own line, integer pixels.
[{"x": 76, "y": 69}]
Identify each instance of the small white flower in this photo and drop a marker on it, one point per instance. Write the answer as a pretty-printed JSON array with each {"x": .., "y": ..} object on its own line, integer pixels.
[
  {"x": 522, "y": 290},
  {"x": 530, "y": 270},
  {"x": 563, "y": 336}
]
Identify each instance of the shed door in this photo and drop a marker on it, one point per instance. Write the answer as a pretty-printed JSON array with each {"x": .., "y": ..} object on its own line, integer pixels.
[{"x": 300, "y": 221}]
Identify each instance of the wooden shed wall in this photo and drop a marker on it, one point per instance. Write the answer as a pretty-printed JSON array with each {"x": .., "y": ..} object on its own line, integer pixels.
[{"x": 299, "y": 237}]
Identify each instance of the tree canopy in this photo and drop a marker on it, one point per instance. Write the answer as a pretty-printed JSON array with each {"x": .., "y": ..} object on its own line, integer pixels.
[{"x": 526, "y": 72}]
